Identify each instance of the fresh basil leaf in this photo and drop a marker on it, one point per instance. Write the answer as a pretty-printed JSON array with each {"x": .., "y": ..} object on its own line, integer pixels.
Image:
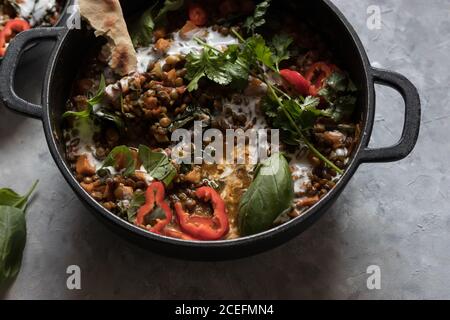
[
  {"x": 270, "y": 194},
  {"x": 13, "y": 235},
  {"x": 157, "y": 165},
  {"x": 257, "y": 20},
  {"x": 129, "y": 161},
  {"x": 136, "y": 202},
  {"x": 11, "y": 198}
]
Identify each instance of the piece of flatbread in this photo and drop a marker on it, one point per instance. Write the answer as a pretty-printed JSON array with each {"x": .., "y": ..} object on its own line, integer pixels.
[{"x": 106, "y": 17}]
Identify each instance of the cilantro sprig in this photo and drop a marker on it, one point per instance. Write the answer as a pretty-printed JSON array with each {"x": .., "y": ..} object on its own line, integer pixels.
[
  {"x": 258, "y": 18},
  {"x": 251, "y": 58}
]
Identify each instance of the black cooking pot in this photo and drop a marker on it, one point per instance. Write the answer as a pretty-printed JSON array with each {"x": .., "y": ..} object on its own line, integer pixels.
[{"x": 71, "y": 46}]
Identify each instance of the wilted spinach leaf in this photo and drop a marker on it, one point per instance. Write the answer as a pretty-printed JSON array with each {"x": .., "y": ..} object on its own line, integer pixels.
[
  {"x": 136, "y": 202},
  {"x": 157, "y": 165},
  {"x": 122, "y": 153},
  {"x": 339, "y": 92}
]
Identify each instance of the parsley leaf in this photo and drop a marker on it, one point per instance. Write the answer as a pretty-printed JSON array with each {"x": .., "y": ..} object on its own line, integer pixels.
[
  {"x": 220, "y": 67},
  {"x": 280, "y": 44},
  {"x": 304, "y": 114},
  {"x": 339, "y": 91},
  {"x": 256, "y": 46},
  {"x": 257, "y": 20}
]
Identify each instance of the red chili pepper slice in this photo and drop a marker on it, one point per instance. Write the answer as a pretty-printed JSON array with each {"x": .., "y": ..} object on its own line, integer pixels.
[
  {"x": 316, "y": 74},
  {"x": 205, "y": 228},
  {"x": 296, "y": 80},
  {"x": 12, "y": 26},
  {"x": 197, "y": 15},
  {"x": 154, "y": 196},
  {"x": 177, "y": 234},
  {"x": 2, "y": 44}
]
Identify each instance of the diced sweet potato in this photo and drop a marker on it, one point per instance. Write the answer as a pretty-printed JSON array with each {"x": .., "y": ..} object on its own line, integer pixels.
[
  {"x": 162, "y": 45},
  {"x": 187, "y": 28},
  {"x": 89, "y": 187},
  {"x": 307, "y": 202},
  {"x": 84, "y": 167}
]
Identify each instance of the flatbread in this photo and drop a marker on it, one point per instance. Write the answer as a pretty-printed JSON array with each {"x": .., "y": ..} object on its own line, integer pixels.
[{"x": 106, "y": 17}]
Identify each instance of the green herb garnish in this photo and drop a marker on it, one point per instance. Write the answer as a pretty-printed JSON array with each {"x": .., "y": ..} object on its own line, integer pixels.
[{"x": 13, "y": 231}]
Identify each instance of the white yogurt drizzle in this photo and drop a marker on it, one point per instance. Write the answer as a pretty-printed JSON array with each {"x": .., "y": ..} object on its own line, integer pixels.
[
  {"x": 183, "y": 45},
  {"x": 85, "y": 131},
  {"x": 34, "y": 11}
]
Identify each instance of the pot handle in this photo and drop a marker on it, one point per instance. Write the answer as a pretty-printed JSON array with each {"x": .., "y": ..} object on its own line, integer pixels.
[
  {"x": 411, "y": 125},
  {"x": 9, "y": 66}
]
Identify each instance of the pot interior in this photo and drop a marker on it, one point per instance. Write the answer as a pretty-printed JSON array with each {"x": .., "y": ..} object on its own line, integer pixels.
[{"x": 76, "y": 44}]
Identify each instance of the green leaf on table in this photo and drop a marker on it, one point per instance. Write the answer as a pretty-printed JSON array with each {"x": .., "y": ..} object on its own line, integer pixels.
[
  {"x": 9, "y": 197},
  {"x": 13, "y": 233}
]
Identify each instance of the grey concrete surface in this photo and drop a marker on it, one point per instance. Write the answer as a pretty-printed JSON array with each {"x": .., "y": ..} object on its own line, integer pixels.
[{"x": 392, "y": 215}]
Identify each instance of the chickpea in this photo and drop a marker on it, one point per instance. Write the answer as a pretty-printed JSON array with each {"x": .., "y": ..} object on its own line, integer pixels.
[
  {"x": 174, "y": 94},
  {"x": 190, "y": 204},
  {"x": 172, "y": 60},
  {"x": 165, "y": 122},
  {"x": 179, "y": 82}
]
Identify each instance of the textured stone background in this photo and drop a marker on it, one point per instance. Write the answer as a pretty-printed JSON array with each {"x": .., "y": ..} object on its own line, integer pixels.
[{"x": 393, "y": 215}]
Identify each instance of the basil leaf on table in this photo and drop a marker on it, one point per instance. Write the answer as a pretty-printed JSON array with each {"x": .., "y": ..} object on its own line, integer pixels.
[
  {"x": 13, "y": 235},
  {"x": 157, "y": 165},
  {"x": 11, "y": 198},
  {"x": 270, "y": 194},
  {"x": 13, "y": 231},
  {"x": 142, "y": 30}
]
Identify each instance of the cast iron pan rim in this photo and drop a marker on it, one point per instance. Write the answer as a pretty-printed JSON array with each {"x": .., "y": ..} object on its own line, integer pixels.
[{"x": 368, "y": 102}]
